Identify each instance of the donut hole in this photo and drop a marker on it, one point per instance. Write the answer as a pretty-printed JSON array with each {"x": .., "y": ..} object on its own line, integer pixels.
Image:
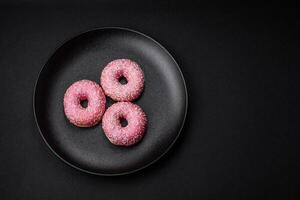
[
  {"x": 123, "y": 80},
  {"x": 84, "y": 103},
  {"x": 123, "y": 122}
]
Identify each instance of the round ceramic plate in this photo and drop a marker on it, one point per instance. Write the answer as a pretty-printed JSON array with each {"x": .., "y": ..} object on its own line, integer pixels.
[{"x": 164, "y": 100}]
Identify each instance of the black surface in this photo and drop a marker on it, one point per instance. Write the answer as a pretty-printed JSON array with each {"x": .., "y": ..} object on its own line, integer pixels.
[
  {"x": 241, "y": 65},
  {"x": 84, "y": 57}
]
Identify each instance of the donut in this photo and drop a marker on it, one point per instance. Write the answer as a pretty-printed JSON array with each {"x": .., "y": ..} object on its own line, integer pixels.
[
  {"x": 84, "y": 90},
  {"x": 136, "y": 123},
  {"x": 118, "y": 69}
]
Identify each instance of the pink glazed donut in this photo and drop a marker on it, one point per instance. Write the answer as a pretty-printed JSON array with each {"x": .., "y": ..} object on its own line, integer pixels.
[
  {"x": 130, "y": 134},
  {"x": 122, "y": 68},
  {"x": 81, "y": 91}
]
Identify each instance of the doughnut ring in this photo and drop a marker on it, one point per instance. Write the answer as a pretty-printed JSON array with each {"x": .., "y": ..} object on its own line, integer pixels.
[
  {"x": 84, "y": 90},
  {"x": 130, "y": 134},
  {"x": 118, "y": 69}
]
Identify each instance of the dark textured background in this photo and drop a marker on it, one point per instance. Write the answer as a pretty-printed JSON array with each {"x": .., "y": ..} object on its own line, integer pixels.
[{"x": 240, "y": 64}]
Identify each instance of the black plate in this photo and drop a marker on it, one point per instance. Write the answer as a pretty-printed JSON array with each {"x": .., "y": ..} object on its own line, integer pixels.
[{"x": 164, "y": 100}]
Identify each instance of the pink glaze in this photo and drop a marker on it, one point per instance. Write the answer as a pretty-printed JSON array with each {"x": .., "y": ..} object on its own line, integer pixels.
[
  {"x": 130, "y": 134},
  {"x": 114, "y": 71},
  {"x": 80, "y": 91}
]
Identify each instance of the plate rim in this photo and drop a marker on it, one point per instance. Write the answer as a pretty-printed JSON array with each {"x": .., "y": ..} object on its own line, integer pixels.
[{"x": 108, "y": 174}]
